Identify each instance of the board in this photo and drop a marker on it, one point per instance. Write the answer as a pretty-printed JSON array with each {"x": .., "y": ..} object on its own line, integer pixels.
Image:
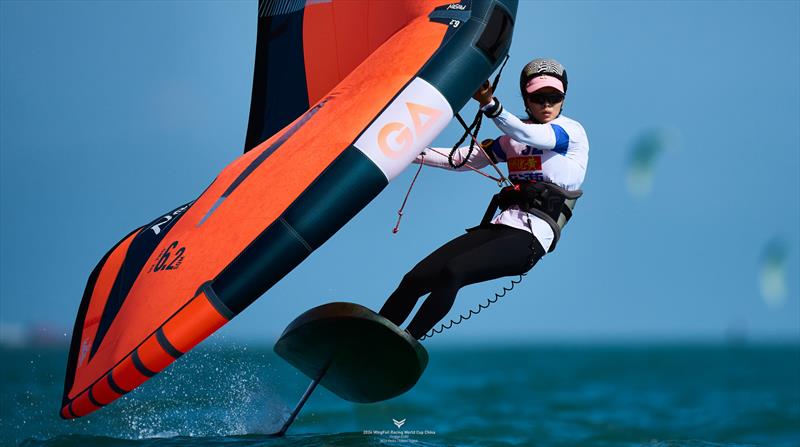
[{"x": 355, "y": 353}]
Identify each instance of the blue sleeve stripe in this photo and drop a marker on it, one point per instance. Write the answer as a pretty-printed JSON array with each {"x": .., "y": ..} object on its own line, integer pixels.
[
  {"x": 562, "y": 139},
  {"x": 497, "y": 150}
]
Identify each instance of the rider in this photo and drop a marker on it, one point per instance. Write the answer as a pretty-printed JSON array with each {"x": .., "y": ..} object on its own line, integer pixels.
[{"x": 546, "y": 155}]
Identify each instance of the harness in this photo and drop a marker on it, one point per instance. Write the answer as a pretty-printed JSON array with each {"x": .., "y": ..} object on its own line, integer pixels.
[{"x": 545, "y": 200}]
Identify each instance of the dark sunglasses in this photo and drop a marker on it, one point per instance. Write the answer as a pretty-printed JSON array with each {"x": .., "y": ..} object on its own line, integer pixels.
[{"x": 548, "y": 98}]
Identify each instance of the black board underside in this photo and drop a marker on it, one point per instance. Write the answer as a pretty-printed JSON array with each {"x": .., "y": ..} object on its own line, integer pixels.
[{"x": 368, "y": 358}]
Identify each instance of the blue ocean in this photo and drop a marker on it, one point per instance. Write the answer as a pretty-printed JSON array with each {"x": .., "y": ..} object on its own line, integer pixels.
[{"x": 538, "y": 395}]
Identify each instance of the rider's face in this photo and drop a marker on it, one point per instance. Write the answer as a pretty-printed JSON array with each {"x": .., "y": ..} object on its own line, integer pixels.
[{"x": 545, "y": 104}]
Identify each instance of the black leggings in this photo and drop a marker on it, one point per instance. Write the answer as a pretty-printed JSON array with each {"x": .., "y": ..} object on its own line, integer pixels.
[{"x": 489, "y": 252}]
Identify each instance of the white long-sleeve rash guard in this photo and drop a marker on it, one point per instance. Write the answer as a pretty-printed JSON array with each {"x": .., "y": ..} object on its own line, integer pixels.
[{"x": 556, "y": 152}]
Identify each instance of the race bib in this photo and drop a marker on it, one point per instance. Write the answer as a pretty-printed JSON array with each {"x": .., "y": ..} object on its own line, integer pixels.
[{"x": 528, "y": 168}]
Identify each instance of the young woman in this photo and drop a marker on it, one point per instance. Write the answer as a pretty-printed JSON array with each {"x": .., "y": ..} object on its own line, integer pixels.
[{"x": 546, "y": 155}]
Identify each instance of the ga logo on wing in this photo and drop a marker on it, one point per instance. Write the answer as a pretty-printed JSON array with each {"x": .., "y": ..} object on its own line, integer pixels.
[{"x": 396, "y": 137}]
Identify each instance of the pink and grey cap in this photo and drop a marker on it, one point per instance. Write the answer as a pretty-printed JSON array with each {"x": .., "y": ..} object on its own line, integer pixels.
[{"x": 540, "y": 73}]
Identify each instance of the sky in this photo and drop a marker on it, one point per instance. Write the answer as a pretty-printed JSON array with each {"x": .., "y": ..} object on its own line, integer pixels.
[{"x": 112, "y": 113}]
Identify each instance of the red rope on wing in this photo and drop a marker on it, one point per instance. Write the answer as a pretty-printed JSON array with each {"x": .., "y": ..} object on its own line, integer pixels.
[{"x": 470, "y": 167}]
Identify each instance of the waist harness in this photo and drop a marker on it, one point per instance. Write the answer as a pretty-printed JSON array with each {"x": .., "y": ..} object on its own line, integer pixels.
[{"x": 545, "y": 200}]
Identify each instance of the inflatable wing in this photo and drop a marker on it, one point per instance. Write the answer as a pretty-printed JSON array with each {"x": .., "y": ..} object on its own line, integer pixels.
[{"x": 345, "y": 95}]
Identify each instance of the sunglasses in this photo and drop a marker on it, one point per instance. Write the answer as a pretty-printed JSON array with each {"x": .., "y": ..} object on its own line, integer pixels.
[{"x": 545, "y": 98}]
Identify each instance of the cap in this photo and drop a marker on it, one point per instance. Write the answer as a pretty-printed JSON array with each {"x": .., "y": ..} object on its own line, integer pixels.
[{"x": 540, "y": 82}]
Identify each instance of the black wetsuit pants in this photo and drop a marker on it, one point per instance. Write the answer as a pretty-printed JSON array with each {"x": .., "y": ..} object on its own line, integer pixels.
[{"x": 485, "y": 253}]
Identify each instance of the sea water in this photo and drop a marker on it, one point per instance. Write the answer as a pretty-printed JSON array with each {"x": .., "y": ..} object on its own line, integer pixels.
[{"x": 537, "y": 395}]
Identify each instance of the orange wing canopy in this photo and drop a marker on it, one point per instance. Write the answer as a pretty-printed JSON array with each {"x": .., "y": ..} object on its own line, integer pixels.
[{"x": 345, "y": 95}]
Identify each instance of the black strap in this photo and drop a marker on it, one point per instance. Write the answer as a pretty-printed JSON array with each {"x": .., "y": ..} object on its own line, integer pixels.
[
  {"x": 495, "y": 110},
  {"x": 493, "y": 204},
  {"x": 530, "y": 197}
]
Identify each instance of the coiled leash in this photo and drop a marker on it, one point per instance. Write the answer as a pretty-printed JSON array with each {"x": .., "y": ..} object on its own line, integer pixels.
[
  {"x": 487, "y": 303},
  {"x": 474, "y": 311}
]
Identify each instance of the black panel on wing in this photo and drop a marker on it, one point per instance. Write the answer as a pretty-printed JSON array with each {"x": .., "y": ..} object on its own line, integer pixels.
[
  {"x": 496, "y": 38},
  {"x": 280, "y": 94}
]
